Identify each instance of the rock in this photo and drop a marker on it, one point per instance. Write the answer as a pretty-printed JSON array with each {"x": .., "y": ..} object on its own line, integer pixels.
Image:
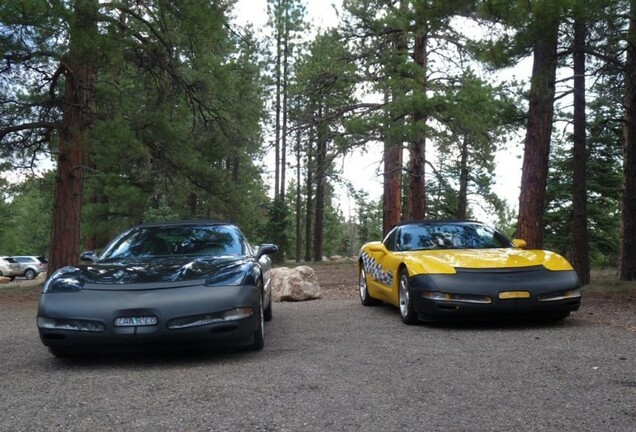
[
  {"x": 335, "y": 258},
  {"x": 295, "y": 284},
  {"x": 4, "y": 280}
]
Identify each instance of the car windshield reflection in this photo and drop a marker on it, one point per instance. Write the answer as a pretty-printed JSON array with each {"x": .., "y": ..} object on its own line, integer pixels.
[
  {"x": 151, "y": 242},
  {"x": 450, "y": 236}
]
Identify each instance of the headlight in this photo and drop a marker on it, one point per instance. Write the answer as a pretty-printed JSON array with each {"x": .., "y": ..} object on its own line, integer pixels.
[
  {"x": 561, "y": 295},
  {"x": 70, "y": 324},
  {"x": 235, "y": 277},
  {"x": 464, "y": 298},
  {"x": 201, "y": 320},
  {"x": 61, "y": 281}
]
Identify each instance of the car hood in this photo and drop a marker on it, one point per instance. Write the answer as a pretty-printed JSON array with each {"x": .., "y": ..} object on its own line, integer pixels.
[
  {"x": 446, "y": 261},
  {"x": 139, "y": 271}
]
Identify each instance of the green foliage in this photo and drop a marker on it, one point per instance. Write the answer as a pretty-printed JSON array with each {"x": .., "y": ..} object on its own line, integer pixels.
[
  {"x": 26, "y": 217},
  {"x": 277, "y": 228},
  {"x": 369, "y": 218},
  {"x": 178, "y": 105},
  {"x": 160, "y": 212},
  {"x": 180, "y": 101},
  {"x": 603, "y": 188}
]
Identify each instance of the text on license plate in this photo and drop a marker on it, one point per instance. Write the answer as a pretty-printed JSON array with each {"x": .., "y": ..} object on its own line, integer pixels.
[
  {"x": 505, "y": 295},
  {"x": 136, "y": 321}
]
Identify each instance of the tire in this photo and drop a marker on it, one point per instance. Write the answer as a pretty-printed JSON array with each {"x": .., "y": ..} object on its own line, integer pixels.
[
  {"x": 267, "y": 313},
  {"x": 61, "y": 352},
  {"x": 30, "y": 274},
  {"x": 407, "y": 312},
  {"x": 558, "y": 316},
  {"x": 259, "y": 334},
  {"x": 363, "y": 290}
]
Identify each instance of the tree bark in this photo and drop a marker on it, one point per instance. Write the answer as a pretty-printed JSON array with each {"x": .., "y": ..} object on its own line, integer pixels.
[
  {"x": 321, "y": 180},
  {"x": 392, "y": 198},
  {"x": 283, "y": 145},
  {"x": 417, "y": 148},
  {"x": 580, "y": 256},
  {"x": 627, "y": 260},
  {"x": 394, "y": 137},
  {"x": 462, "y": 199},
  {"x": 310, "y": 201},
  {"x": 298, "y": 198},
  {"x": 80, "y": 77},
  {"x": 277, "y": 106},
  {"x": 539, "y": 129}
]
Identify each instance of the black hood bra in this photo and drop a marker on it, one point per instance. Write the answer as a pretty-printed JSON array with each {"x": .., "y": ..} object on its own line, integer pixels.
[{"x": 167, "y": 269}]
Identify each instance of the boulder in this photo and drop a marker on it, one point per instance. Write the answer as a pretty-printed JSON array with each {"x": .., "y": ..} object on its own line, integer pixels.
[
  {"x": 4, "y": 280},
  {"x": 294, "y": 284}
]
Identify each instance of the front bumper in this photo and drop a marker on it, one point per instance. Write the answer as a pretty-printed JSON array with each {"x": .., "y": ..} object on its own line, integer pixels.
[
  {"x": 534, "y": 282},
  {"x": 102, "y": 308}
]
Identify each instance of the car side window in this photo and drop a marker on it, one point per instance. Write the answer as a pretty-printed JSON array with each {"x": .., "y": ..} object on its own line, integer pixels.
[
  {"x": 414, "y": 238},
  {"x": 390, "y": 240}
]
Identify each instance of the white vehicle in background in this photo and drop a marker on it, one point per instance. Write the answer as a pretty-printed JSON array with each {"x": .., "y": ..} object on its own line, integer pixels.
[
  {"x": 9, "y": 268},
  {"x": 31, "y": 266}
]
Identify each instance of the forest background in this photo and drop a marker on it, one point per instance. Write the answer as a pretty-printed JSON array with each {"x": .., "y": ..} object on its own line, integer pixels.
[{"x": 160, "y": 110}]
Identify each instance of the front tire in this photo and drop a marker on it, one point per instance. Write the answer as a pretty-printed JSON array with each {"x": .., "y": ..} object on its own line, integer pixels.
[
  {"x": 365, "y": 298},
  {"x": 267, "y": 314},
  {"x": 259, "y": 334},
  {"x": 558, "y": 316},
  {"x": 61, "y": 352},
  {"x": 407, "y": 312}
]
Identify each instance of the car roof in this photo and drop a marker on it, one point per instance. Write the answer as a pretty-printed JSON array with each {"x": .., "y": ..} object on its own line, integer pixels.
[
  {"x": 183, "y": 223},
  {"x": 439, "y": 222}
]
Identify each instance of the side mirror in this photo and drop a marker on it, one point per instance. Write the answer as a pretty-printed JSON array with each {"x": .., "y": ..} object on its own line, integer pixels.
[
  {"x": 89, "y": 256},
  {"x": 519, "y": 243},
  {"x": 378, "y": 248},
  {"x": 266, "y": 249}
]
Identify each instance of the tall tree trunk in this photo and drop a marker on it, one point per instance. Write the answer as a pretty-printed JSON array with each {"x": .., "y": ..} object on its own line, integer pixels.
[
  {"x": 277, "y": 107},
  {"x": 392, "y": 198},
  {"x": 462, "y": 199},
  {"x": 581, "y": 256},
  {"x": 80, "y": 77},
  {"x": 539, "y": 129},
  {"x": 394, "y": 137},
  {"x": 417, "y": 148},
  {"x": 321, "y": 180},
  {"x": 627, "y": 264},
  {"x": 310, "y": 201},
  {"x": 283, "y": 146},
  {"x": 298, "y": 198}
]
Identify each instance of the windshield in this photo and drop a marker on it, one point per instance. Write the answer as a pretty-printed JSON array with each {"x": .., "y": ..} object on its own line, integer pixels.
[
  {"x": 161, "y": 241},
  {"x": 449, "y": 236}
]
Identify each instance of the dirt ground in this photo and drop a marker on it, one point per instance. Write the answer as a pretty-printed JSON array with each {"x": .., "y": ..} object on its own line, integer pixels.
[{"x": 338, "y": 281}]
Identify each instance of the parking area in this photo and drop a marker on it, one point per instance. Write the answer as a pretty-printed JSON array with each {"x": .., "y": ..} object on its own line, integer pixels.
[{"x": 328, "y": 365}]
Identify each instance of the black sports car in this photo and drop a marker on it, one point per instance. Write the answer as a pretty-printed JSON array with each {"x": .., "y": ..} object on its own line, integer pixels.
[{"x": 198, "y": 283}]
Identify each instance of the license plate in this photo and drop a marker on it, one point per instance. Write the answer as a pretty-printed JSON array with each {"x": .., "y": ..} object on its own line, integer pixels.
[
  {"x": 507, "y": 295},
  {"x": 135, "y": 321}
]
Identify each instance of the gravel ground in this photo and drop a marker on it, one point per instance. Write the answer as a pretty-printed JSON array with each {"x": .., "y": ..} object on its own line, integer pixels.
[{"x": 329, "y": 365}]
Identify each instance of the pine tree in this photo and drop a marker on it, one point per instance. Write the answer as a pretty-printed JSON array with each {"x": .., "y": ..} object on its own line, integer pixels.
[{"x": 167, "y": 77}]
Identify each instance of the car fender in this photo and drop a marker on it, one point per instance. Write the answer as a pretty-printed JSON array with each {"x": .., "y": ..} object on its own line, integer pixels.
[
  {"x": 555, "y": 262},
  {"x": 427, "y": 265}
]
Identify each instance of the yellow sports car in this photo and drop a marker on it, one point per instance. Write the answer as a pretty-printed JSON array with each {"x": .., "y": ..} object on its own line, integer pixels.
[{"x": 439, "y": 270}]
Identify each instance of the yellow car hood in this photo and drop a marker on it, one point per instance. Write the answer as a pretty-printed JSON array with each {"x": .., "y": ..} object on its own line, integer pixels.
[{"x": 445, "y": 261}]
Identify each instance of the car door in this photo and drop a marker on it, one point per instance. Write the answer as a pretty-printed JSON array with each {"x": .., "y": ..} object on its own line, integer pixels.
[{"x": 382, "y": 266}]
